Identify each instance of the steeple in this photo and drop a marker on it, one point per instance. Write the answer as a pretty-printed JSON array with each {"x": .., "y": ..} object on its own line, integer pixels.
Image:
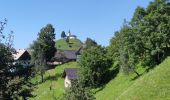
[{"x": 69, "y": 33}]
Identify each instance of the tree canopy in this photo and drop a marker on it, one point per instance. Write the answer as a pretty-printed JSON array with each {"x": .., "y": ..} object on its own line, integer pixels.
[
  {"x": 94, "y": 65},
  {"x": 145, "y": 39},
  {"x": 63, "y": 34},
  {"x": 89, "y": 43},
  {"x": 43, "y": 48}
]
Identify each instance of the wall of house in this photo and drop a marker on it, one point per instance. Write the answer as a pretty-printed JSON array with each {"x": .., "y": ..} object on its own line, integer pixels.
[
  {"x": 67, "y": 82},
  {"x": 24, "y": 63},
  {"x": 71, "y": 37}
]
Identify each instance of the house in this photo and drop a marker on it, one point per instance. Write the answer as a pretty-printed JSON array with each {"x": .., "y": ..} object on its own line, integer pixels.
[
  {"x": 21, "y": 57},
  {"x": 63, "y": 56},
  {"x": 70, "y": 74}
]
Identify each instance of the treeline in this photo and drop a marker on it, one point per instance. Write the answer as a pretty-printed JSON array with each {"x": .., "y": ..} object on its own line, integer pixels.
[{"x": 145, "y": 39}]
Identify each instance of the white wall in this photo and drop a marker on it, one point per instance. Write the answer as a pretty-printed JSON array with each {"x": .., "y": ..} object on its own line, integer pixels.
[{"x": 67, "y": 82}]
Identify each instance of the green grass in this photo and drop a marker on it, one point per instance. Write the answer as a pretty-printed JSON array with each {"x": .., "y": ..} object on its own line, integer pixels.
[
  {"x": 154, "y": 85},
  {"x": 116, "y": 86},
  {"x": 53, "y": 79},
  {"x": 74, "y": 44}
]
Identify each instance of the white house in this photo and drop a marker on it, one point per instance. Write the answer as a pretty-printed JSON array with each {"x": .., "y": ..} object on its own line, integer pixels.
[{"x": 70, "y": 74}]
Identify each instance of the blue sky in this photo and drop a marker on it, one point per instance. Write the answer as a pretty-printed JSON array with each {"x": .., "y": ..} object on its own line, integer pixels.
[{"x": 97, "y": 19}]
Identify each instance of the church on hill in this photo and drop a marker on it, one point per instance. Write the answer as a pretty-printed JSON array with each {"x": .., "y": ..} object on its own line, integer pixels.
[{"x": 70, "y": 36}]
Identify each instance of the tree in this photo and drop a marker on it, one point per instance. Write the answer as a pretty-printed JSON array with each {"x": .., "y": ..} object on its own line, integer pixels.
[
  {"x": 63, "y": 34},
  {"x": 11, "y": 82},
  {"x": 38, "y": 58},
  {"x": 5, "y": 63},
  {"x": 78, "y": 92},
  {"x": 94, "y": 66},
  {"x": 152, "y": 31},
  {"x": 89, "y": 42},
  {"x": 46, "y": 38},
  {"x": 145, "y": 39},
  {"x": 43, "y": 49}
]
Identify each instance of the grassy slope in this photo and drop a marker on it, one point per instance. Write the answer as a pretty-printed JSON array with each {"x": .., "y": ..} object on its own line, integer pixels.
[
  {"x": 152, "y": 85},
  {"x": 155, "y": 85},
  {"x": 116, "y": 86},
  {"x": 53, "y": 79},
  {"x": 63, "y": 45}
]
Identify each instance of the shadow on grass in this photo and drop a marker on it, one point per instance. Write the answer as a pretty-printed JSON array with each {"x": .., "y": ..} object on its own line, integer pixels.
[
  {"x": 53, "y": 78},
  {"x": 136, "y": 77},
  {"x": 111, "y": 74}
]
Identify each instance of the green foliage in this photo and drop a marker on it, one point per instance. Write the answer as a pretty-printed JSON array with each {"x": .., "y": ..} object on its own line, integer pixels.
[
  {"x": 144, "y": 39},
  {"x": 5, "y": 65},
  {"x": 46, "y": 38},
  {"x": 94, "y": 66},
  {"x": 63, "y": 34},
  {"x": 43, "y": 48},
  {"x": 6, "y": 60},
  {"x": 152, "y": 31},
  {"x": 11, "y": 81},
  {"x": 78, "y": 92},
  {"x": 89, "y": 43}
]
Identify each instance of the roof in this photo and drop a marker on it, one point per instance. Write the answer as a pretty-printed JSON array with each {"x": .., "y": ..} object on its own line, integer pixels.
[
  {"x": 71, "y": 73},
  {"x": 67, "y": 54},
  {"x": 72, "y": 36},
  {"x": 19, "y": 53},
  {"x": 70, "y": 54}
]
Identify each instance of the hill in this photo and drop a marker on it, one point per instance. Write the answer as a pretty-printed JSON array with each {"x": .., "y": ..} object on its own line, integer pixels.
[
  {"x": 52, "y": 78},
  {"x": 74, "y": 44},
  {"x": 152, "y": 85}
]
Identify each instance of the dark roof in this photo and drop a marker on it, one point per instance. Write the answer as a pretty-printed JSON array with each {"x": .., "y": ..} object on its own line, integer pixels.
[
  {"x": 70, "y": 54},
  {"x": 71, "y": 73}
]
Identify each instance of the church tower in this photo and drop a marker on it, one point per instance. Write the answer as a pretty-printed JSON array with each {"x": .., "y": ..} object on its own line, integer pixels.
[{"x": 69, "y": 33}]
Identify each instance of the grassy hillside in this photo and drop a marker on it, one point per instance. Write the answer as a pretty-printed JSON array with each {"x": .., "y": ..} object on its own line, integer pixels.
[
  {"x": 116, "y": 86},
  {"x": 52, "y": 78},
  {"x": 152, "y": 85},
  {"x": 74, "y": 44}
]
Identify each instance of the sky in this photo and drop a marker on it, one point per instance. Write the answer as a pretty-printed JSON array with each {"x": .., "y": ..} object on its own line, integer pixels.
[{"x": 96, "y": 19}]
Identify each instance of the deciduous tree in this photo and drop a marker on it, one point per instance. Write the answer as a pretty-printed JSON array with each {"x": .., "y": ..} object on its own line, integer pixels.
[{"x": 94, "y": 66}]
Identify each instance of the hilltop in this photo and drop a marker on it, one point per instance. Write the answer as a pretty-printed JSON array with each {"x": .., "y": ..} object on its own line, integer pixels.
[{"x": 74, "y": 44}]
